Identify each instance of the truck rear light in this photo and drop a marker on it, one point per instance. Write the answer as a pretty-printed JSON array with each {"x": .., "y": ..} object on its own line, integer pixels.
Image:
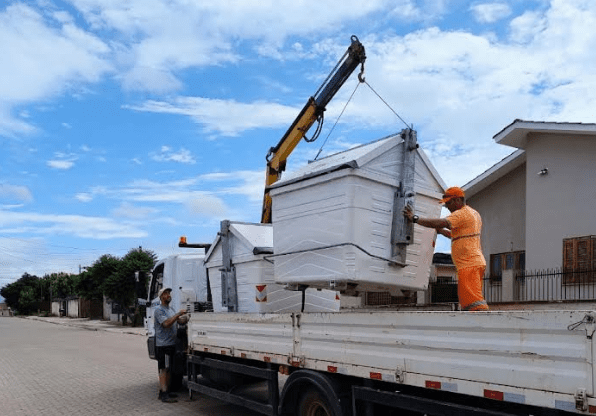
[
  {"x": 332, "y": 369},
  {"x": 433, "y": 384},
  {"x": 494, "y": 394},
  {"x": 376, "y": 376},
  {"x": 267, "y": 359}
]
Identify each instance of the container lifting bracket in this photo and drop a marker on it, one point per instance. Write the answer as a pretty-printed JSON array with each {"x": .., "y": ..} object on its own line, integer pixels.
[
  {"x": 229, "y": 292},
  {"x": 402, "y": 230},
  {"x": 589, "y": 320},
  {"x": 400, "y": 375},
  {"x": 581, "y": 400}
]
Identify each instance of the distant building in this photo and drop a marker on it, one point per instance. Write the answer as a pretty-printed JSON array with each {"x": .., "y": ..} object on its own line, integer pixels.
[{"x": 5, "y": 310}]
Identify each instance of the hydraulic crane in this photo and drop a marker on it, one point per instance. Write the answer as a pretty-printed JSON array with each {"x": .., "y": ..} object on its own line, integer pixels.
[{"x": 312, "y": 112}]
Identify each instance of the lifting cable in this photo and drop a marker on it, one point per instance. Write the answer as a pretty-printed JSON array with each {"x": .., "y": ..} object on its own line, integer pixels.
[{"x": 361, "y": 80}]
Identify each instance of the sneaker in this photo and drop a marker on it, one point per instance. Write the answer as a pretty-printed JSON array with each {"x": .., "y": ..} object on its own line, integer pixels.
[{"x": 167, "y": 399}]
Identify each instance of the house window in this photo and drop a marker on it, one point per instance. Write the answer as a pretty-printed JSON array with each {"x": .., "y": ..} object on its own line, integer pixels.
[
  {"x": 579, "y": 259},
  {"x": 513, "y": 260}
]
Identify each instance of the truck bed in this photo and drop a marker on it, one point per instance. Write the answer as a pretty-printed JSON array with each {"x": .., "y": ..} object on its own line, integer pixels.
[{"x": 533, "y": 357}]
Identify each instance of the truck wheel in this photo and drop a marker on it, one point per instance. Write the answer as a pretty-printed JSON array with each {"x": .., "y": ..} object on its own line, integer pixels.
[{"x": 312, "y": 403}]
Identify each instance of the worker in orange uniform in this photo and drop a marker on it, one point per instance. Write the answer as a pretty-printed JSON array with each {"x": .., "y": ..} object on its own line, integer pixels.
[{"x": 463, "y": 227}]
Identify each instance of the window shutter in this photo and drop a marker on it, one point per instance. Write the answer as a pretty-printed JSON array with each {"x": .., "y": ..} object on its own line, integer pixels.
[
  {"x": 584, "y": 253},
  {"x": 568, "y": 254},
  {"x": 593, "y": 268}
]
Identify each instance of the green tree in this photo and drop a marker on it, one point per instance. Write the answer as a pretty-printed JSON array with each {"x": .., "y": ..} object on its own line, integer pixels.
[
  {"x": 27, "y": 300},
  {"x": 62, "y": 284},
  {"x": 123, "y": 287},
  {"x": 19, "y": 294}
]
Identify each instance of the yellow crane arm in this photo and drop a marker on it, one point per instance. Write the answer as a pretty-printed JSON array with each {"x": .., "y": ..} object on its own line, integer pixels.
[{"x": 312, "y": 112}]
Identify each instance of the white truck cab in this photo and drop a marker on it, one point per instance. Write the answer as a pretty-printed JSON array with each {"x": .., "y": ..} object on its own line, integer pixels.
[{"x": 186, "y": 275}]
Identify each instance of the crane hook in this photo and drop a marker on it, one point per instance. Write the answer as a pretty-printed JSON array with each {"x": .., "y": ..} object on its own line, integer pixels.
[{"x": 361, "y": 73}]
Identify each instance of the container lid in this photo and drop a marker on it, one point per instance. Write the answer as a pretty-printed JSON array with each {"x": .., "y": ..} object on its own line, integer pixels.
[{"x": 352, "y": 158}]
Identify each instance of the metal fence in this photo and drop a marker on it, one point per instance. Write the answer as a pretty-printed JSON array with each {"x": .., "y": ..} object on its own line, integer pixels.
[
  {"x": 528, "y": 286},
  {"x": 555, "y": 285}
]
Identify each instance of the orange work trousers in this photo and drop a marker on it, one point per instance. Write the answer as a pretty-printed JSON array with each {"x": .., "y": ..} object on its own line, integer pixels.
[{"x": 469, "y": 288}]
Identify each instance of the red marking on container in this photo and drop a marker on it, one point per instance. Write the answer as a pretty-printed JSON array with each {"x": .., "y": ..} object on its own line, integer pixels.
[
  {"x": 260, "y": 288},
  {"x": 331, "y": 369},
  {"x": 267, "y": 359},
  {"x": 493, "y": 394},
  {"x": 433, "y": 384},
  {"x": 376, "y": 376},
  {"x": 336, "y": 296},
  {"x": 592, "y": 409}
]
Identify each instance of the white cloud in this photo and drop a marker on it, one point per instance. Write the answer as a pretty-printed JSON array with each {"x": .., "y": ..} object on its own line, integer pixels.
[
  {"x": 15, "y": 193},
  {"x": 526, "y": 27},
  {"x": 73, "y": 225},
  {"x": 207, "y": 205},
  {"x": 41, "y": 59},
  {"x": 490, "y": 12},
  {"x": 60, "y": 164},
  {"x": 128, "y": 210},
  {"x": 174, "y": 35},
  {"x": 167, "y": 155},
  {"x": 228, "y": 117},
  {"x": 84, "y": 197}
]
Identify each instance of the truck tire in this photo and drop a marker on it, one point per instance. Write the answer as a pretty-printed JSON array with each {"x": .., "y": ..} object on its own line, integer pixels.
[{"x": 313, "y": 403}]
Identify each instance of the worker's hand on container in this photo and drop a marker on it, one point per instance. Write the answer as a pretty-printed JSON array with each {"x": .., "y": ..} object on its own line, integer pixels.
[
  {"x": 182, "y": 317},
  {"x": 408, "y": 212}
]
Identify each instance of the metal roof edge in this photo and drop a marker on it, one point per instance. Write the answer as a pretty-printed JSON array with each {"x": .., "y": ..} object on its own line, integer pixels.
[{"x": 515, "y": 134}]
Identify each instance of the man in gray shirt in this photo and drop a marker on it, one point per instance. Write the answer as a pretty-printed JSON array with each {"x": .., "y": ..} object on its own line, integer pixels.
[{"x": 165, "y": 321}]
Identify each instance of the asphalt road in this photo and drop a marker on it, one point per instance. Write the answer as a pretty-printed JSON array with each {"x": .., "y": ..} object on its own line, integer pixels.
[{"x": 48, "y": 369}]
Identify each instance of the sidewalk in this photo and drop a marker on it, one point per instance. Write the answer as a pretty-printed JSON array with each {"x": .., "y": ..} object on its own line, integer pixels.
[{"x": 91, "y": 324}]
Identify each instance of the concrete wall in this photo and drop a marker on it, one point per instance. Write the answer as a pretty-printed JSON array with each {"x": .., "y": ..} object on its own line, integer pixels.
[
  {"x": 72, "y": 308},
  {"x": 560, "y": 204},
  {"x": 502, "y": 206}
]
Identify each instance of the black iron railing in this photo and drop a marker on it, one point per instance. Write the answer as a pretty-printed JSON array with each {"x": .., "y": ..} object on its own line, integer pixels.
[{"x": 555, "y": 285}]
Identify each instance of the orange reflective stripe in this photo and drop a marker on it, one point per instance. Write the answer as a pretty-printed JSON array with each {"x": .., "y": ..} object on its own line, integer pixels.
[{"x": 477, "y": 306}]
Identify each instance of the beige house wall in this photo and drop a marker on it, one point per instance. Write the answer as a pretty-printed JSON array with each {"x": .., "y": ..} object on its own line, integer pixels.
[
  {"x": 561, "y": 203},
  {"x": 443, "y": 270},
  {"x": 502, "y": 206}
]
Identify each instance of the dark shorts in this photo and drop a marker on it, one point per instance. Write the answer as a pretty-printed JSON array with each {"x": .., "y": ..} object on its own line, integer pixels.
[{"x": 165, "y": 356}]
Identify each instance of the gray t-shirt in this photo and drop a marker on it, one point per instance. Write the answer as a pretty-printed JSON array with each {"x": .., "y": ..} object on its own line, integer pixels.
[{"x": 164, "y": 336}]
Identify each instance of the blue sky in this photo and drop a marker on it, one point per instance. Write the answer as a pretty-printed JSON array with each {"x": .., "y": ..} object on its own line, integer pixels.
[{"x": 130, "y": 123}]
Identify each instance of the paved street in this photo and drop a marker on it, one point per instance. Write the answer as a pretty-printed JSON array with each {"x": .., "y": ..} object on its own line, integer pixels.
[{"x": 49, "y": 369}]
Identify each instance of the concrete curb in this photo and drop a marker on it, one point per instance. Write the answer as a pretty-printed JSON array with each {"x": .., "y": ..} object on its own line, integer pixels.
[{"x": 90, "y": 324}]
